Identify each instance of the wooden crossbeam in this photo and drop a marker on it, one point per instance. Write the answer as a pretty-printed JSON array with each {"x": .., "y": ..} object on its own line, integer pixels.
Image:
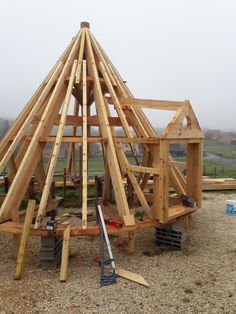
[
  {"x": 148, "y": 103},
  {"x": 143, "y": 169},
  {"x": 137, "y": 140},
  {"x": 92, "y": 120},
  {"x": 66, "y": 139}
]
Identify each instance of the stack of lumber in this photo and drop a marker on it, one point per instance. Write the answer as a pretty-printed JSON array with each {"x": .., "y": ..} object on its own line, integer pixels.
[{"x": 222, "y": 184}]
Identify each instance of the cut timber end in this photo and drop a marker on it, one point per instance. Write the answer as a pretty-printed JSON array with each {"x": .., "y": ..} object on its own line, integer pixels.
[
  {"x": 84, "y": 24},
  {"x": 129, "y": 220}
]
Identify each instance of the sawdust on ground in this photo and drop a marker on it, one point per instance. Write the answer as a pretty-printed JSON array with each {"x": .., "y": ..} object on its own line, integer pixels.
[{"x": 199, "y": 279}]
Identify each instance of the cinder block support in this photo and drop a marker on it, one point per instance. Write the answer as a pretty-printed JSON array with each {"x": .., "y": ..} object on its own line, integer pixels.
[
  {"x": 50, "y": 252},
  {"x": 171, "y": 235}
]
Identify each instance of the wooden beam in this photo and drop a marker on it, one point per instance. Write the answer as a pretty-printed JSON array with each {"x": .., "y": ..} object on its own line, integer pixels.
[
  {"x": 92, "y": 120},
  {"x": 55, "y": 152},
  {"x": 65, "y": 254},
  {"x": 76, "y": 230},
  {"x": 84, "y": 151},
  {"x": 163, "y": 184},
  {"x": 80, "y": 58},
  {"x": 148, "y": 103},
  {"x": 143, "y": 169},
  {"x": 66, "y": 139},
  {"x": 24, "y": 239},
  {"x": 137, "y": 140},
  {"x": 194, "y": 172},
  {"x": 120, "y": 195}
]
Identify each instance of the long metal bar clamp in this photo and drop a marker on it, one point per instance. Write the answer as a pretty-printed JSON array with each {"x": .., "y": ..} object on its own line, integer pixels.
[{"x": 108, "y": 269}]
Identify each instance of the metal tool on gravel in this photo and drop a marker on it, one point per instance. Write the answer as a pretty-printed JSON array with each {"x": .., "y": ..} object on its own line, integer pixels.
[{"x": 107, "y": 276}]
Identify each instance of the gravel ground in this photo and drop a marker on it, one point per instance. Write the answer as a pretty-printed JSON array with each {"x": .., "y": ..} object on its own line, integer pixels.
[{"x": 199, "y": 279}]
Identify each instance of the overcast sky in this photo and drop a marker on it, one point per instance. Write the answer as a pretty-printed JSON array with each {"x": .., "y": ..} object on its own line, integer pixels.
[{"x": 167, "y": 49}]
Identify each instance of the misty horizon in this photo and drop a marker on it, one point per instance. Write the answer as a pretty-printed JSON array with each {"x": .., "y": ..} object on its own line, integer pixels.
[{"x": 170, "y": 51}]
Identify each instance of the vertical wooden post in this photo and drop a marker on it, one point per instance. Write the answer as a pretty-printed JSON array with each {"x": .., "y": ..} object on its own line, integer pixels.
[
  {"x": 65, "y": 254},
  {"x": 131, "y": 234},
  {"x": 194, "y": 172},
  {"x": 80, "y": 176},
  {"x": 85, "y": 150},
  {"x": 156, "y": 189},
  {"x": 24, "y": 239},
  {"x": 163, "y": 184}
]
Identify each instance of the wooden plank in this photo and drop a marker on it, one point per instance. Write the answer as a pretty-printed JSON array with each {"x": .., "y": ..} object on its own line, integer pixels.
[
  {"x": 178, "y": 211},
  {"x": 84, "y": 151},
  {"x": 65, "y": 254},
  {"x": 24, "y": 239},
  {"x": 143, "y": 169},
  {"x": 137, "y": 140},
  {"x": 120, "y": 195},
  {"x": 55, "y": 152},
  {"x": 148, "y": 103},
  {"x": 80, "y": 58},
  {"x": 75, "y": 120},
  {"x": 76, "y": 230},
  {"x": 131, "y": 276}
]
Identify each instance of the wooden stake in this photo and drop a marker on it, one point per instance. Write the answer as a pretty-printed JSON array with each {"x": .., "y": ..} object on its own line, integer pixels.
[
  {"x": 24, "y": 239},
  {"x": 65, "y": 254}
]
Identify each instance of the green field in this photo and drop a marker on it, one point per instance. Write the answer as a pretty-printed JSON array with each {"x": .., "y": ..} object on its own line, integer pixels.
[
  {"x": 228, "y": 151},
  {"x": 216, "y": 168}
]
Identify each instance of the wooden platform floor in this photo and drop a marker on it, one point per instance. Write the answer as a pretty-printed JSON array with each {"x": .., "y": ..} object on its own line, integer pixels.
[{"x": 76, "y": 230}]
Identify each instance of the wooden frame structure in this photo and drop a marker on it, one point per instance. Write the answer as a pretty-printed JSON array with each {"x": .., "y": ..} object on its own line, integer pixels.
[{"x": 86, "y": 74}]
